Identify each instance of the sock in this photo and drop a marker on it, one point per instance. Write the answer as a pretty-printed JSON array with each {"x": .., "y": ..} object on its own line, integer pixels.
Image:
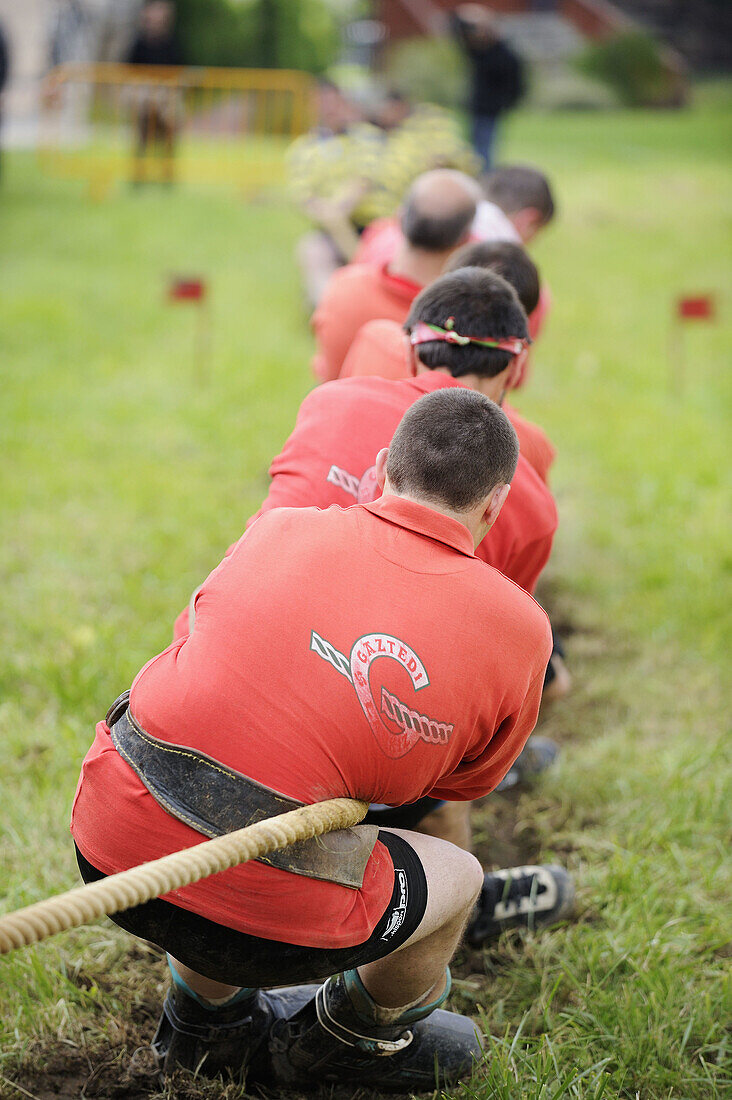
[
  {"x": 367, "y": 1009},
  {"x": 205, "y": 1002}
]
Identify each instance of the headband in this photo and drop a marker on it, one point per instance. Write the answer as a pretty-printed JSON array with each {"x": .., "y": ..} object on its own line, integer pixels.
[{"x": 424, "y": 333}]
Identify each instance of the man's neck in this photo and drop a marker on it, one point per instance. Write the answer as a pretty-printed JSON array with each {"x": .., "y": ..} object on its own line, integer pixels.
[
  {"x": 468, "y": 520},
  {"x": 417, "y": 265}
]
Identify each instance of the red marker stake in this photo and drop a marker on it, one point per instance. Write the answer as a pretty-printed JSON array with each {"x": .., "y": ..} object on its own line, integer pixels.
[
  {"x": 698, "y": 307},
  {"x": 194, "y": 289}
]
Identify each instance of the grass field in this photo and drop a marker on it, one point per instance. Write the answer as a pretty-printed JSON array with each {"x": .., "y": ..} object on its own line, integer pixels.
[{"x": 125, "y": 474}]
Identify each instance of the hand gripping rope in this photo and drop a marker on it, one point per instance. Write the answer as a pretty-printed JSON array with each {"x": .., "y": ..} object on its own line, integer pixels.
[{"x": 139, "y": 884}]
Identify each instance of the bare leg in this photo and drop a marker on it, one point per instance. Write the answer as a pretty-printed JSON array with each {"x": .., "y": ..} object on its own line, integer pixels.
[
  {"x": 454, "y": 880},
  {"x": 561, "y": 683},
  {"x": 417, "y": 969},
  {"x": 204, "y": 987}
]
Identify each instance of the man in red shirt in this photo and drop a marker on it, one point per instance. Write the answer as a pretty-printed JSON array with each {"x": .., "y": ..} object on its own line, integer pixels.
[
  {"x": 435, "y": 221},
  {"x": 332, "y": 654},
  {"x": 381, "y": 348}
]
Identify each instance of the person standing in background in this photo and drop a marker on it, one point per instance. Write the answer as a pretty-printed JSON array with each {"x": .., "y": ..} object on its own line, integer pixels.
[
  {"x": 156, "y": 44},
  {"x": 4, "y": 69},
  {"x": 497, "y": 78}
]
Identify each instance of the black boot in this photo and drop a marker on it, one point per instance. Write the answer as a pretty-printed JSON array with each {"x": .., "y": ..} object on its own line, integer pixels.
[
  {"x": 329, "y": 1040},
  {"x": 227, "y": 1038}
]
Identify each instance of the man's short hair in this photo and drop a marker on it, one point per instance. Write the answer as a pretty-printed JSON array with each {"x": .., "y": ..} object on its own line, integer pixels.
[
  {"x": 510, "y": 261},
  {"x": 518, "y": 187},
  {"x": 452, "y": 447},
  {"x": 435, "y": 233},
  {"x": 482, "y": 304}
]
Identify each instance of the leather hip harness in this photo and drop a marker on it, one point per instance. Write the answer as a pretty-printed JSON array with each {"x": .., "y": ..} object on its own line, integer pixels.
[{"x": 214, "y": 799}]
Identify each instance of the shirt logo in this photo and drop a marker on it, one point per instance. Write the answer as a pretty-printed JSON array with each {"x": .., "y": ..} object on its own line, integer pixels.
[
  {"x": 412, "y": 726},
  {"x": 396, "y": 919},
  {"x": 364, "y": 489}
]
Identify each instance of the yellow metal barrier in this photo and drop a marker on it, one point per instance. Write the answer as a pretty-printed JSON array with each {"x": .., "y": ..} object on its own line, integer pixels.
[{"x": 133, "y": 123}]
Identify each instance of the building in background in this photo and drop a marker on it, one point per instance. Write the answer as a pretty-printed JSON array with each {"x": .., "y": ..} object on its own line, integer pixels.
[{"x": 44, "y": 33}]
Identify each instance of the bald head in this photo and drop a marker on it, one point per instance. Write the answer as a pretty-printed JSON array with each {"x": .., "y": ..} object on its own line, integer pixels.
[{"x": 439, "y": 210}]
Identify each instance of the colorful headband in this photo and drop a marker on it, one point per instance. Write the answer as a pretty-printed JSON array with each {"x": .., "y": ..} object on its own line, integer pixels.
[{"x": 424, "y": 333}]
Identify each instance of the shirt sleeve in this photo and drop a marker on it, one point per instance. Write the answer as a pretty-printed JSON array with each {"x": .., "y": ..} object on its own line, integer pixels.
[
  {"x": 475, "y": 777},
  {"x": 527, "y": 565},
  {"x": 332, "y": 338}
]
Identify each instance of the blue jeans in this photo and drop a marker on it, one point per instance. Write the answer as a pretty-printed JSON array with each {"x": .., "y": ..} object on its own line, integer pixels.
[{"x": 484, "y": 136}]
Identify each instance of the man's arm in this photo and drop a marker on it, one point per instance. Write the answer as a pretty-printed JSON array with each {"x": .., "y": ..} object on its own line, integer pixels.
[
  {"x": 480, "y": 775},
  {"x": 333, "y": 333},
  {"x": 524, "y": 564}
]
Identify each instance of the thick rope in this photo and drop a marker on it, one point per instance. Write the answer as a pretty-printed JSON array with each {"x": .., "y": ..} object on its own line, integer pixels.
[{"x": 161, "y": 876}]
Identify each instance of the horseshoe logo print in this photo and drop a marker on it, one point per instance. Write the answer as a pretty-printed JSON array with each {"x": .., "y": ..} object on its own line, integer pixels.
[{"x": 413, "y": 726}]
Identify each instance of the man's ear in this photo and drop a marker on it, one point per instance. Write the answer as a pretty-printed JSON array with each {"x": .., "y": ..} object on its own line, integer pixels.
[
  {"x": 516, "y": 369},
  {"x": 494, "y": 504},
  {"x": 411, "y": 353},
  {"x": 381, "y": 467}
]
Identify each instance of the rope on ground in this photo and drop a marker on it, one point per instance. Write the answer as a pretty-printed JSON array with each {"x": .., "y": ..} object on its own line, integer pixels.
[{"x": 150, "y": 880}]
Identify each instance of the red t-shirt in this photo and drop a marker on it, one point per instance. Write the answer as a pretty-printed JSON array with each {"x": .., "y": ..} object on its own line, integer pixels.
[
  {"x": 361, "y": 652},
  {"x": 330, "y": 456},
  {"x": 355, "y": 294},
  {"x": 381, "y": 350}
]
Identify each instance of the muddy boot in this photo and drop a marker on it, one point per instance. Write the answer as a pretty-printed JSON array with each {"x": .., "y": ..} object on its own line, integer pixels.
[
  {"x": 213, "y": 1039},
  {"x": 520, "y": 897},
  {"x": 337, "y": 1037}
]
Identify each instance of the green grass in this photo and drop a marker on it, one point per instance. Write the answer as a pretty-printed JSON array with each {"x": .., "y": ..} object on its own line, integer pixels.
[{"x": 125, "y": 474}]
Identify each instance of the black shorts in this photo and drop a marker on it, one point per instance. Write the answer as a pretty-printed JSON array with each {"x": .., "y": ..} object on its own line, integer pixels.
[
  {"x": 235, "y": 958},
  {"x": 401, "y": 817}
]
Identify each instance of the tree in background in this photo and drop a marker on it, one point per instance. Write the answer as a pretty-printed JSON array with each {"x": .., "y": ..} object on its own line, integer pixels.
[
  {"x": 284, "y": 34},
  {"x": 632, "y": 65}
]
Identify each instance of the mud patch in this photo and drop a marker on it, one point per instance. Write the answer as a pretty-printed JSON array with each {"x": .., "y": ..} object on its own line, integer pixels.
[
  {"x": 126, "y": 1072},
  {"x": 503, "y": 836}
]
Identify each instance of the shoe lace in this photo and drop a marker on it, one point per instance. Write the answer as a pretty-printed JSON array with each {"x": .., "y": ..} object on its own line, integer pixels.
[
  {"x": 510, "y": 891},
  {"x": 521, "y": 886}
]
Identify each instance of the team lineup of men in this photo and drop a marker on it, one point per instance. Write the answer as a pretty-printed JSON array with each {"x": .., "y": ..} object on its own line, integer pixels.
[{"x": 371, "y": 634}]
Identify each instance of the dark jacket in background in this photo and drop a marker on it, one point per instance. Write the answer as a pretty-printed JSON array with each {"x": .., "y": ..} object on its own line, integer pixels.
[
  {"x": 497, "y": 82},
  {"x": 4, "y": 60},
  {"x": 154, "y": 51}
]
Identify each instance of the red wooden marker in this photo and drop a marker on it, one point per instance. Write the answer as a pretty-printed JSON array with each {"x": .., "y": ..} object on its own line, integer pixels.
[
  {"x": 701, "y": 307},
  {"x": 186, "y": 289},
  {"x": 191, "y": 288},
  {"x": 691, "y": 307}
]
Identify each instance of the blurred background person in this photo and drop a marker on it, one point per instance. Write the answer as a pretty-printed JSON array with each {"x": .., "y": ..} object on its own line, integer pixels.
[
  {"x": 348, "y": 173},
  {"x": 330, "y": 173},
  {"x": 496, "y": 74},
  {"x": 156, "y": 112},
  {"x": 4, "y": 69}
]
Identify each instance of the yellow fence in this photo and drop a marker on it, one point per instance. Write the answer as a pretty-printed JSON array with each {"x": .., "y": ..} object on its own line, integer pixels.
[{"x": 132, "y": 123}]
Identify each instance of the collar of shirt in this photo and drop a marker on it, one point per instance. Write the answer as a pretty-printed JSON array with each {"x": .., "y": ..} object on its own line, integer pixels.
[
  {"x": 398, "y": 285},
  {"x": 491, "y": 224},
  {"x": 423, "y": 521}
]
